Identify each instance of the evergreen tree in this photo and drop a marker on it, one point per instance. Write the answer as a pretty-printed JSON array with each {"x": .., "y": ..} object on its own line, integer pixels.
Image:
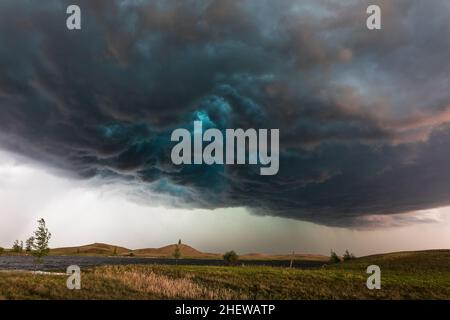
[{"x": 41, "y": 240}]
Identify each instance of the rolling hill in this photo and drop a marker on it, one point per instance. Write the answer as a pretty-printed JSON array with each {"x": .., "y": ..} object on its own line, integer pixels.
[
  {"x": 167, "y": 251},
  {"x": 91, "y": 249},
  {"x": 423, "y": 261}
]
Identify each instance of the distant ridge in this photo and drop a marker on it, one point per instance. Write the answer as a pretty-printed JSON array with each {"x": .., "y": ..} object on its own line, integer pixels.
[
  {"x": 433, "y": 256},
  {"x": 167, "y": 252},
  {"x": 94, "y": 249},
  {"x": 108, "y": 249},
  {"x": 185, "y": 250}
]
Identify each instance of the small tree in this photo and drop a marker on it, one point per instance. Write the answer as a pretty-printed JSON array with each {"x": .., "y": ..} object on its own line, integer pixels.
[
  {"x": 177, "y": 251},
  {"x": 230, "y": 257},
  {"x": 17, "y": 246},
  {"x": 115, "y": 251},
  {"x": 334, "y": 258},
  {"x": 348, "y": 256},
  {"x": 41, "y": 240},
  {"x": 29, "y": 244},
  {"x": 1, "y": 251}
]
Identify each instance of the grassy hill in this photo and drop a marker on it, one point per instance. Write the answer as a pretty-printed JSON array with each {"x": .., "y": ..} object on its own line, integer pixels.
[
  {"x": 91, "y": 249},
  {"x": 167, "y": 251},
  {"x": 108, "y": 250},
  {"x": 406, "y": 261},
  {"x": 404, "y": 275}
]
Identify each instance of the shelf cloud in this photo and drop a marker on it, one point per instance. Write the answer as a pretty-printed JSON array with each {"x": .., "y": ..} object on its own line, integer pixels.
[{"x": 363, "y": 115}]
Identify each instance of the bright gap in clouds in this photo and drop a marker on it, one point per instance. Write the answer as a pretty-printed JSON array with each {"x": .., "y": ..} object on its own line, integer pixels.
[{"x": 79, "y": 213}]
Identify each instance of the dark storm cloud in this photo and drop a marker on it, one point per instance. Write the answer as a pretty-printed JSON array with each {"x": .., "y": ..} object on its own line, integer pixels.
[{"x": 362, "y": 114}]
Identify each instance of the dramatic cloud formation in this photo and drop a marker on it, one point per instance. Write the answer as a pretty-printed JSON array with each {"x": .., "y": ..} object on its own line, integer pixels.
[{"x": 363, "y": 115}]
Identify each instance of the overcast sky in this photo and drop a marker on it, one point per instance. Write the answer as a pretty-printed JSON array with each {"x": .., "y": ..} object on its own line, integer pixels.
[{"x": 364, "y": 120}]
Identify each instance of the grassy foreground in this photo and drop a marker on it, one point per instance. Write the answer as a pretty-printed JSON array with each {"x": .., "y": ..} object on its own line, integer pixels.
[{"x": 409, "y": 275}]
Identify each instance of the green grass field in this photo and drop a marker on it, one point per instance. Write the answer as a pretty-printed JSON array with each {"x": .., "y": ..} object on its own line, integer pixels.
[{"x": 408, "y": 275}]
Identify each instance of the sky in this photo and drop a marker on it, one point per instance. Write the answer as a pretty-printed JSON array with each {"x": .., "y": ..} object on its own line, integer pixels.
[
  {"x": 364, "y": 120},
  {"x": 80, "y": 212}
]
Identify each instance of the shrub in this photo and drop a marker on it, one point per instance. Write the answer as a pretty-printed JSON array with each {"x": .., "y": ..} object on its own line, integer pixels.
[
  {"x": 334, "y": 258},
  {"x": 1, "y": 251},
  {"x": 348, "y": 256},
  {"x": 17, "y": 246},
  {"x": 230, "y": 257}
]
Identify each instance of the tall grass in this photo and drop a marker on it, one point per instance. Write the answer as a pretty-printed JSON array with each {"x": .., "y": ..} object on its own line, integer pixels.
[{"x": 164, "y": 286}]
